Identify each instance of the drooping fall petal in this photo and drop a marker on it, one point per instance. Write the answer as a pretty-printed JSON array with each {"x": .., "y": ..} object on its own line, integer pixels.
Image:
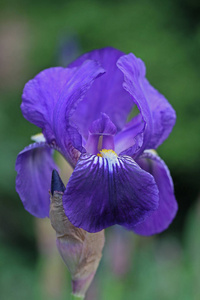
[
  {"x": 164, "y": 215},
  {"x": 34, "y": 166},
  {"x": 103, "y": 192}
]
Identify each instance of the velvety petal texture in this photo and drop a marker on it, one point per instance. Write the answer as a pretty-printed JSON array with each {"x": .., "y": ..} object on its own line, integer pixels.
[
  {"x": 103, "y": 126},
  {"x": 67, "y": 135},
  {"x": 40, "y": 96},
  {"x": 129, "y": 140},
  {"x": 157, "y": 114},
  {"x": 50, "y": 99},
  {"x": 164, "y": 215},
  {"x": 102, "y": 192},
  {"x": 34, "y": 167},
  {"x": 101, "y": 135},
  {"x": 164, "y": 116},
  {"x": 83, "y": 111},
  {"x": 106, "y": 94},
  {"x": 133, "y": 70}
]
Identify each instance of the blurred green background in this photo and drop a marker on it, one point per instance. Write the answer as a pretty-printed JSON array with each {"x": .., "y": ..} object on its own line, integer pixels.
[{"x": 35, "y": 35}]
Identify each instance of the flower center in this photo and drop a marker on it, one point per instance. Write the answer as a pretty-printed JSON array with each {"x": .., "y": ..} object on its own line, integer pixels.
[{"x": 108, "y": 153}]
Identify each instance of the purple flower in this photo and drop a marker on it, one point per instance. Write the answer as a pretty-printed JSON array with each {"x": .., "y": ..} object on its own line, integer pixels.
[{"x": 83, "y": 111}]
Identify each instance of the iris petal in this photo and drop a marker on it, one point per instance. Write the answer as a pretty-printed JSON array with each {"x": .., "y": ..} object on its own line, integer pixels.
[
  {"x": 134, "y": 70},
  {"x": 40, "y": 96},
  {"x": 163, "y": 216},
  {"x": 67, "y": 87},
  {"x": 158, "y": 115},
  {"x": 106, "y": 94},
  {"x": 102, "y": 192},
  {"x": 103, "y": 125},
  {"x": 130, "y": 139},
  {"x": 101, "y": 135},
  {"x": 164, "y": 116},
  {"x": 34, "y": 167},
  {"x": 67, "y": 135}
]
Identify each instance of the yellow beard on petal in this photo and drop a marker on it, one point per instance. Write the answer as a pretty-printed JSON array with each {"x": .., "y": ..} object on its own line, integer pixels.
[{"x": 108, "y": 153}]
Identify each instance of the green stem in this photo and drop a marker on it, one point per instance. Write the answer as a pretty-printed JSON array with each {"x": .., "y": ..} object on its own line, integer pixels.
[{"x": 75, "y": 297}]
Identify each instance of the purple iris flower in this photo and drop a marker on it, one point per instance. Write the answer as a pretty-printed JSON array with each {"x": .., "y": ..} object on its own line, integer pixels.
[{"x": 83, "y": 113}]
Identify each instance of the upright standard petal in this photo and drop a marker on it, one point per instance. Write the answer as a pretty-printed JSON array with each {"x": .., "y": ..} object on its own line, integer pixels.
[
  {"x": 163, "y": 114},
  {"x": 34, "y": 167},
  {"x": 134, "y": 70},
  {"x": 67, "y": 135},
  {"x": 106, "y": 94},
  {"x": 158, "y": 115},
  {"x": 164, "y": 215},
  {"x": 40, "y": 96},
  {"x": 105, "y": 191}
]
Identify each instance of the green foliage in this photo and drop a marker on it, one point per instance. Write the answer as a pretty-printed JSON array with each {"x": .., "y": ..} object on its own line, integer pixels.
[{"x": 17, "y": 274}]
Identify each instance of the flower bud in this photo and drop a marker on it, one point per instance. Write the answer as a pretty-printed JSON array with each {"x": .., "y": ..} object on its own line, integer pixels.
[{"x": 80, "y": 250}]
